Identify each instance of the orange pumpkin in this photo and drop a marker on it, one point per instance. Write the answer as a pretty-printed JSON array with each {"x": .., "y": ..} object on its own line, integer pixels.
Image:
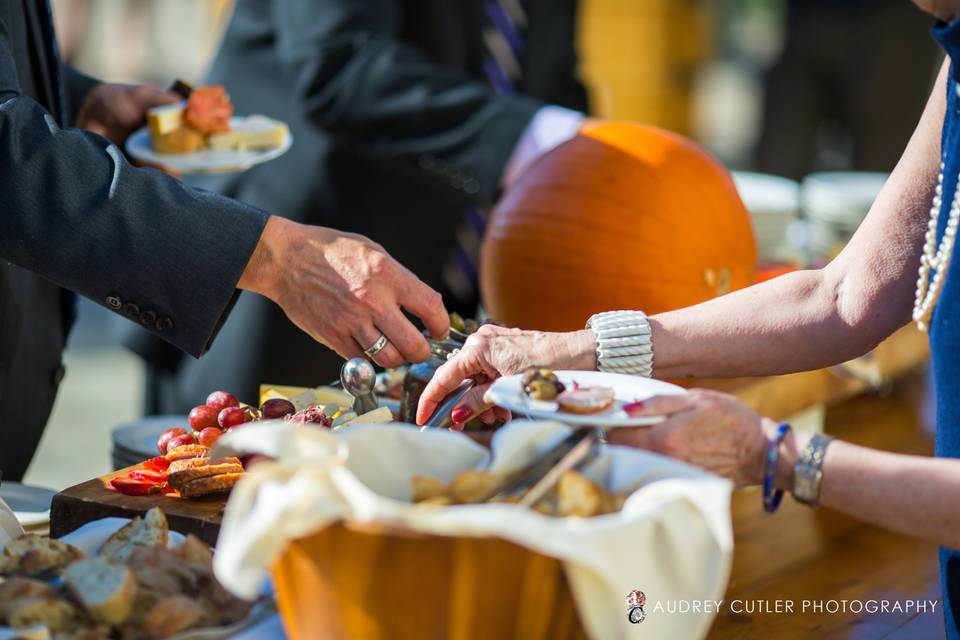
[{"x": 623, "y": 216}]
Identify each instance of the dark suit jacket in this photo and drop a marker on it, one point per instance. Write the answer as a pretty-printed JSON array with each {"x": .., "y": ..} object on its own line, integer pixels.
[
  {"x": 75, "y": 214},
  {"x": 395, "y": 130}
]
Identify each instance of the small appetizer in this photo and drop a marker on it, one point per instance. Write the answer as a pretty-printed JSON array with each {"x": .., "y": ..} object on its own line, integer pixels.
[
  {"x": 586, "y": 400},
  {"x": 202, "y": 121},
  {"x": 574, "y": 496},
  {"x": 542, "y": 384}
]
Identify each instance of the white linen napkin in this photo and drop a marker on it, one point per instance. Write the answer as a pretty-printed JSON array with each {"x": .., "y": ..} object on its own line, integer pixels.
[
  {"x": 672, "y": 539},
  {"x": 9, "y": 525}
]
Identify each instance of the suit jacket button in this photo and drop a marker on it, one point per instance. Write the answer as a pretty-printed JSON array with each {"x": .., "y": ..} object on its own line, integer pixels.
[
  {"x": 472, "y": 186},
  {"x": 131, "y": 310},
  {"x": 164, "y": 323},
  {"x": 147, "y": 318},
  {"x": 113, "y": 302},
  {"x": 57, "y": 377}
]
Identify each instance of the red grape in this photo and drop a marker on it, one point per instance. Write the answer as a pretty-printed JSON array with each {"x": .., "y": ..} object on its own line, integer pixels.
[
  {"x": 166, "y": 436},
  {"x": 220, "y": 400},
  {"x": 312, "y": 414},
  {"x": 232, "y": 416},
  {"x": 209, "y": 436},
  {"x": 202, "y": 417},
  {"x": 276, "y": 408},
  {"x": 179, "y": 441}
]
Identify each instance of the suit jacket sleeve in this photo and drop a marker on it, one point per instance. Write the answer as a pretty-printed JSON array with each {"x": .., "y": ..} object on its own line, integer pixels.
[
  {"x": 75, "y": 212},
  {"x": 358, "y": 79}
]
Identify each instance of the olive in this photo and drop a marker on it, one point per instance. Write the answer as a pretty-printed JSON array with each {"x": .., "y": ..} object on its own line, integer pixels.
[
  {"x": 542, "y": 389},
  {"x": 457, "y": 323},
  {"x": 529, "y": 376}
]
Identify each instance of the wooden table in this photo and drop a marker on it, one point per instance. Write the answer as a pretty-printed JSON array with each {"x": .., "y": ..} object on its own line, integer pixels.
[{"x": 799, "y": 554}]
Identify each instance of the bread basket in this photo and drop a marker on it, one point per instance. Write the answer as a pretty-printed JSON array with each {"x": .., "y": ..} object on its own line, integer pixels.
[{"x": 361, "y": 581}]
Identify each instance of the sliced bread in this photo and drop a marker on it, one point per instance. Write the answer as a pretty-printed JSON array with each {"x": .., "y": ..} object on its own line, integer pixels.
[
  {"x": 105, "y": 589},
  {"x": 149, "y": 531}
]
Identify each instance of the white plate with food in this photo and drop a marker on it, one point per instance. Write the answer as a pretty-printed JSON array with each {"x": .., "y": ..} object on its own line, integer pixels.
[
  {"x": 590, "y": 398},
  {"x": 140, "y": 147},
  {"x": 201, "y": 135},
  {"x": 91, "y": 580}
]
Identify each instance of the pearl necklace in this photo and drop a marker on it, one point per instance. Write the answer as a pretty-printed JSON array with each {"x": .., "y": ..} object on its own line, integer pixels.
[{"x": 933, "y": 257}]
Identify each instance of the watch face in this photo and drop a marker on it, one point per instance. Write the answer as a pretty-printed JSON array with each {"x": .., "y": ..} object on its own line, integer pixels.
[{"x": 806, "y": 484}]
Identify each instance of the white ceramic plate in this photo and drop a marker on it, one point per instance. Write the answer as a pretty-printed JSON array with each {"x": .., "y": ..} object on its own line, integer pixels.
[
  {"x": 140, "y": 147},
  {"x": 508, "y": 393},
  {"x": 30, "y": 505}
]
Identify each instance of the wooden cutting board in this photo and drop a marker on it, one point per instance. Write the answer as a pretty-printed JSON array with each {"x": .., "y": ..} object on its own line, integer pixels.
[{"x": 94, "y": 499}]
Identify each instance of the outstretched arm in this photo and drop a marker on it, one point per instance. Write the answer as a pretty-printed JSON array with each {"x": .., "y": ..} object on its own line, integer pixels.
[
  {"x": 799, "y": 321},
  {"x": 811, "y": 319},
  {"x": 173, "y": 258},
  {"x": 913, "y": 495}
]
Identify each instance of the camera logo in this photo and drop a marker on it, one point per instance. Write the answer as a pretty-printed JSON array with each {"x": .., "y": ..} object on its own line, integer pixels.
[{"x": 635, "y": 601}]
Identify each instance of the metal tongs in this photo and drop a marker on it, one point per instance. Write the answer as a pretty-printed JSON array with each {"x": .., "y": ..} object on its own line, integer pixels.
[
  {"x": 540, "y": 475},
  {"x": 442, "y": 350}
]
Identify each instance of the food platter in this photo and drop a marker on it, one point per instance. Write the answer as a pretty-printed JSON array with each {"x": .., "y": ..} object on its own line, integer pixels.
[
  {"x": 140, "y": 148},
  {"x": 118, "y": 540},
  {"x": 508, "y": 393}
]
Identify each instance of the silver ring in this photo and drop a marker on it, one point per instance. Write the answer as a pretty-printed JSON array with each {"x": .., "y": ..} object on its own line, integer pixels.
[
  {"x": 376, "y": 347},
  {"x": 452, "y": 354}
]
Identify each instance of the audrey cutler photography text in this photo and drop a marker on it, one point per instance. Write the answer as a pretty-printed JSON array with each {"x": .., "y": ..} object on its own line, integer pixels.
[{"x": 786, "y": 606}]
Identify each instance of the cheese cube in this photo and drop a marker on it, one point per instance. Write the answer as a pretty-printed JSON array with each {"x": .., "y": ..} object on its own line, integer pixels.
[
  {"x": 165, "y": 119},
  {"x": 253, "y": 132}
]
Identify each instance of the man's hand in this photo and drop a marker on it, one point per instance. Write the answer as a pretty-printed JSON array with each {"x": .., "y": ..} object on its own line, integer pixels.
[
  {"x": 114, "y": 111},
  {"x": 344, "y": 290}
]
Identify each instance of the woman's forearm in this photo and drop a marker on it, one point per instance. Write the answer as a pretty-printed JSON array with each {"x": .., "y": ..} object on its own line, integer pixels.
[
  {"x": 783, "y": 325},
  {"x": 791, "y": 323},
  {"x": 913, "y": 495},
  {"x": 811, "y": 319}
]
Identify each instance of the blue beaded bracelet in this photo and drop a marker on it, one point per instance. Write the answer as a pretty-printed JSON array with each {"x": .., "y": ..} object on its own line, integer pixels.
[{"x": 771, "y": 496}]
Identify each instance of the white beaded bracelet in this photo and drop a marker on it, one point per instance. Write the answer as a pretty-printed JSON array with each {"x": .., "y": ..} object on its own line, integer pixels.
[{"x": 624, "y": 342}]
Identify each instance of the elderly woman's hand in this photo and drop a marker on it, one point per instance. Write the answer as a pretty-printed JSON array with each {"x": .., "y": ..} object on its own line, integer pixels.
[
  {"x": 709, "y": 429},
  {"x": 496, "y": 351}
]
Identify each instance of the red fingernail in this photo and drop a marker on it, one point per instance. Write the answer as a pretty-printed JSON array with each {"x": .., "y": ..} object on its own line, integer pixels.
[
  {"x": 634, "y": 407},
  {"x": 461, "y": 414}
]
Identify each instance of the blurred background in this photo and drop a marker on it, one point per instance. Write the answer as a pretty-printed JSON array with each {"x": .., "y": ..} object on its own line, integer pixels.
[{"x": 781, "y": 88}]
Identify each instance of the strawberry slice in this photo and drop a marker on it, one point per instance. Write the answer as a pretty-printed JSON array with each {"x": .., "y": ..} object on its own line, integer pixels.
[
  {"x": 160, "y": 463},
  {"x": 147, "y": 475},
  {"x": 132, "y": 487}
]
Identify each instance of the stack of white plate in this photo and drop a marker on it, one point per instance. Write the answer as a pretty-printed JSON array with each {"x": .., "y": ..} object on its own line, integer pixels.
[
  {"x": 30, "y": 505},
  {"x": 135, "y": 442},
  {"x": 835, "y": 204},
  {"x": 774, "y": 204}
]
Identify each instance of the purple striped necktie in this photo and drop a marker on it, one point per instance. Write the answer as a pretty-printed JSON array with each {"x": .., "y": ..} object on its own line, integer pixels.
[{"x": 503, "y": 42}]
